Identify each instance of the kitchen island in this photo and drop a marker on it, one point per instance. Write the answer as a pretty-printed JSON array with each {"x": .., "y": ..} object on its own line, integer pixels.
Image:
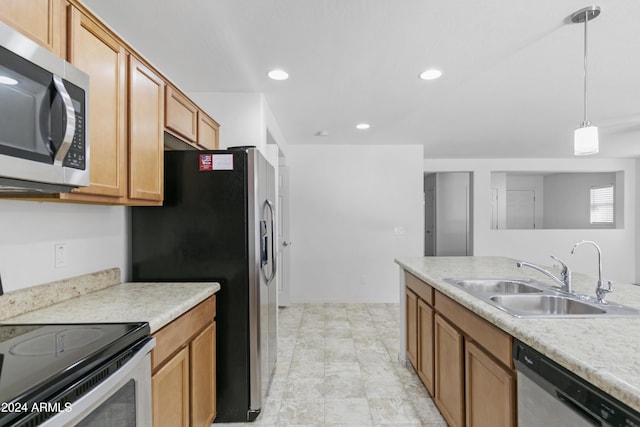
[{"x": 603, "y": 351}]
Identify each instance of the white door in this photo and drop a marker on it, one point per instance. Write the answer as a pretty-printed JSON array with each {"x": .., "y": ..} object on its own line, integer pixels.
[
  {"x": 521, "y": 209},
  {"x": 283, "y": 236}
]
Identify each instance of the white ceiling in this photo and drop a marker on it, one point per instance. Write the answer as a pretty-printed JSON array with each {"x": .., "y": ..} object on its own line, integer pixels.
[{"x": 513, "y": 69}]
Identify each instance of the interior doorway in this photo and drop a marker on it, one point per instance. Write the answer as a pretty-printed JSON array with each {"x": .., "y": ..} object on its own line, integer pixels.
[{"x": 448, "y": 214}]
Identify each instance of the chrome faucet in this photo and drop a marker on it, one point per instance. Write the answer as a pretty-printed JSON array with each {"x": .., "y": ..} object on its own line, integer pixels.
[
  {"x": 564, "y": 281},
  {"x": 601, "y": 291}
]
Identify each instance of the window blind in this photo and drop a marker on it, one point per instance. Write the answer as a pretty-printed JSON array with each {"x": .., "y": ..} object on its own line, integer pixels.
[{"x": 602, "y": 205}]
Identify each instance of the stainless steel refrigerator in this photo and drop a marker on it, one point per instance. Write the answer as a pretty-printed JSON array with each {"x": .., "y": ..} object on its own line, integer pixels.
[{"x": 218, "y": 224}]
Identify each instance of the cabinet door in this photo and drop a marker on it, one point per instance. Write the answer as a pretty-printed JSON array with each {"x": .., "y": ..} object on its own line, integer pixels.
[
  {"x": 412, "y": 327},
  {"x": 170, "y": 392},
  {"x": 207, "y": 132},
  {"x": 449, "y": 372},
  {"x": 40, "y": 20},
  {"x": 146, "y": 127},
  {"x": 425, "y": 345},
  {"x": 490, "y": 391},
  {"x": 96, "y": 52},
  {"x": 203, "y": 377},
  {"x": 181, "y": 115}
]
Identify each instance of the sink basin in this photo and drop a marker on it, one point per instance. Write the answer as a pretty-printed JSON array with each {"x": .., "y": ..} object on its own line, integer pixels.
[
  {"x": 495, "y": 286},
  {"x": 552, "y": 305},
  {"x": 526, "y": 297}
]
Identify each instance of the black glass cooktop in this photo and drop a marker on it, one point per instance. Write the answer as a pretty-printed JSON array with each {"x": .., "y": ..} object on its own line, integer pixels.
[{"x": 37, "y": 361}]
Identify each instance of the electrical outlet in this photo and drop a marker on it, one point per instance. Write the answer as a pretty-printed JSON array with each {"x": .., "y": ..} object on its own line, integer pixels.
[
  {"x": 61, "y": 255},
  {"x": 399, "y": 230}
]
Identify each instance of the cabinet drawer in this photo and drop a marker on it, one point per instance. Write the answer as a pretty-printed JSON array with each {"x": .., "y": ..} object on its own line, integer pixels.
[
  {"x": 491, "y": 338},
  {"x": 419, "y": 287},
  {"x": 178, "y": 333}
]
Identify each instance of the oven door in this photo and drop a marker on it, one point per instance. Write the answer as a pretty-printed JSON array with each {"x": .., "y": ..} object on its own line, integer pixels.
[{"x": 123, "y": 399}]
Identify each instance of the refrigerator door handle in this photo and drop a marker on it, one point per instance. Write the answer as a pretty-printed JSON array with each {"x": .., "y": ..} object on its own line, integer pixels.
[{"x": 274, "y": 262}]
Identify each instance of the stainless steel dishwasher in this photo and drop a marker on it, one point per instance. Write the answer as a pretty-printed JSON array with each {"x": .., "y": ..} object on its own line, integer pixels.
[{"x": 552, "y": 396}]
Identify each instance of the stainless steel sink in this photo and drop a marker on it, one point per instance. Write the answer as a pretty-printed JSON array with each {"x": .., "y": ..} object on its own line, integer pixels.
[
  {"x": 553, "y": 305},
  {"x": 495, "y": 286},
  {"x": 531, "y": 298}
]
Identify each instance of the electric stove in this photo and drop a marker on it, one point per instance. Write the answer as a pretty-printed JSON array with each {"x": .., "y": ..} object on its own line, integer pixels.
[{"x": 45, "y": 368}]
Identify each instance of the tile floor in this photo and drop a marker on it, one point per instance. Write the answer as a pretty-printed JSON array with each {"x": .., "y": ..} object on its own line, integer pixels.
[{"x": 338, "y": 366}]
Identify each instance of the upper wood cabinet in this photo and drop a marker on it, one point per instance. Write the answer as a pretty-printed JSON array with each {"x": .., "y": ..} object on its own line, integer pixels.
[
  {"x": 41, "y": 20},
  {"x": 99, "y": 54},
  {"x": 207, "y": 132},
  {"x": 187, "y": 122},
  {"x": 130, "y": 103},
  {"x": 181, "y": 115},
  {"x": 146, "y": 127}
]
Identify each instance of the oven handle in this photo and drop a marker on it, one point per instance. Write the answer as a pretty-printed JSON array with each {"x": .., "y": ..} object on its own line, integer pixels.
[
  {"x": 90, "y": 401},
  {"x": 70, "y": 114}
]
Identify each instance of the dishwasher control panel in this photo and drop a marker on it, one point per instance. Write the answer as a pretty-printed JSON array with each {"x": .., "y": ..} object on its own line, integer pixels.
[{"x": 595, "y": 405}]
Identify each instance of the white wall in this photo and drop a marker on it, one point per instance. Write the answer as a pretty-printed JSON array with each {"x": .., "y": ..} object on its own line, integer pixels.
[
  {"x": 245, "y": 119},
  {"x": 95, "y": 235},
  {"x": 618, "y": 245},
  {"x": 239, "y": 116},
  {"x": 345, "y": 202},
  {"x": 567, "y": 202}
]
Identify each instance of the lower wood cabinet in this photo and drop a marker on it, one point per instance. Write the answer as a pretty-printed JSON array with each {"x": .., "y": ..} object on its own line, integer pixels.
[
  {"x": 412, "y": 327},
  {"x": 490, "y": 389},
  {"x": 426, "y": 360},
  {"x": 463, "y": 360},
  {"x": 202, "y": 357},
  {"x": 184, "y": 369},
  {"x": 170, "y": 391},
  {"x": 449, "y": 372}
]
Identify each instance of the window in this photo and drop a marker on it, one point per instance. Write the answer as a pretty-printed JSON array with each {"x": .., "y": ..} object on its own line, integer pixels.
[{"x": 602, "y": 201}]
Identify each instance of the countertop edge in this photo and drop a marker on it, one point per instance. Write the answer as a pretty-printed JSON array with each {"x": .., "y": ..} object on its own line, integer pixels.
[{"x": 157, "y": 303}]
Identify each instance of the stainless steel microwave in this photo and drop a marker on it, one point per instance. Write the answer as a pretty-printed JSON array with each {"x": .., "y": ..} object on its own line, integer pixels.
[{"x": 43, "y": 119}]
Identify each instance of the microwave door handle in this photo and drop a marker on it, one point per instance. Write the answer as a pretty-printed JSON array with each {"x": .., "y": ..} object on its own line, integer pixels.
[{"x": 70, "y": 131}]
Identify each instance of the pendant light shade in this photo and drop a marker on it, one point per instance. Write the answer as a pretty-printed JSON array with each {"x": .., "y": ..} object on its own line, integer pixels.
[{"x": 585, "y": 138}]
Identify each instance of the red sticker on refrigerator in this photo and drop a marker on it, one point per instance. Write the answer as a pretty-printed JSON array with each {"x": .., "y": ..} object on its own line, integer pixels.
[{"x": 206, "y": 162}]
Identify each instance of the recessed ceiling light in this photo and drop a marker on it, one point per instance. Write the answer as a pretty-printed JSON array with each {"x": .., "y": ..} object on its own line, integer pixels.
[
  {"x": 8, "y": 80},
  {"x": 278, "y": 74},
  {"x": 363, "y": 126},
  {"x": 430, "y": 74},
  {"x": 322, "y": 133}
]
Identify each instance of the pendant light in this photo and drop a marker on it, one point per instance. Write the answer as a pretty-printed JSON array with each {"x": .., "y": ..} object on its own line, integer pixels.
[{"x": 586, "y": 136}]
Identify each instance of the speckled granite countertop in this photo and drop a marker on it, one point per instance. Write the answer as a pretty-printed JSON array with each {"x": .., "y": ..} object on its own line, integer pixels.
[
  {"x": 604, "y": 351},
  {"x": 156, "y": 303}
]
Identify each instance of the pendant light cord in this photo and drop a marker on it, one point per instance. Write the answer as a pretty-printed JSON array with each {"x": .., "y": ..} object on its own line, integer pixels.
[{"x": 586, "y": 20}]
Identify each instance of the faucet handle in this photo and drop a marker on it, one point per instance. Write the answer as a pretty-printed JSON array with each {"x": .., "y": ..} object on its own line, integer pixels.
[
  {"x": 601, "y": 291},
  {"x": 566, "y": 272}
]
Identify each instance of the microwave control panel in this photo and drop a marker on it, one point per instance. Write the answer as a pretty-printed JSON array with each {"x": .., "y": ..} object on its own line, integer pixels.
[{"x": 76, "y": 157}]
